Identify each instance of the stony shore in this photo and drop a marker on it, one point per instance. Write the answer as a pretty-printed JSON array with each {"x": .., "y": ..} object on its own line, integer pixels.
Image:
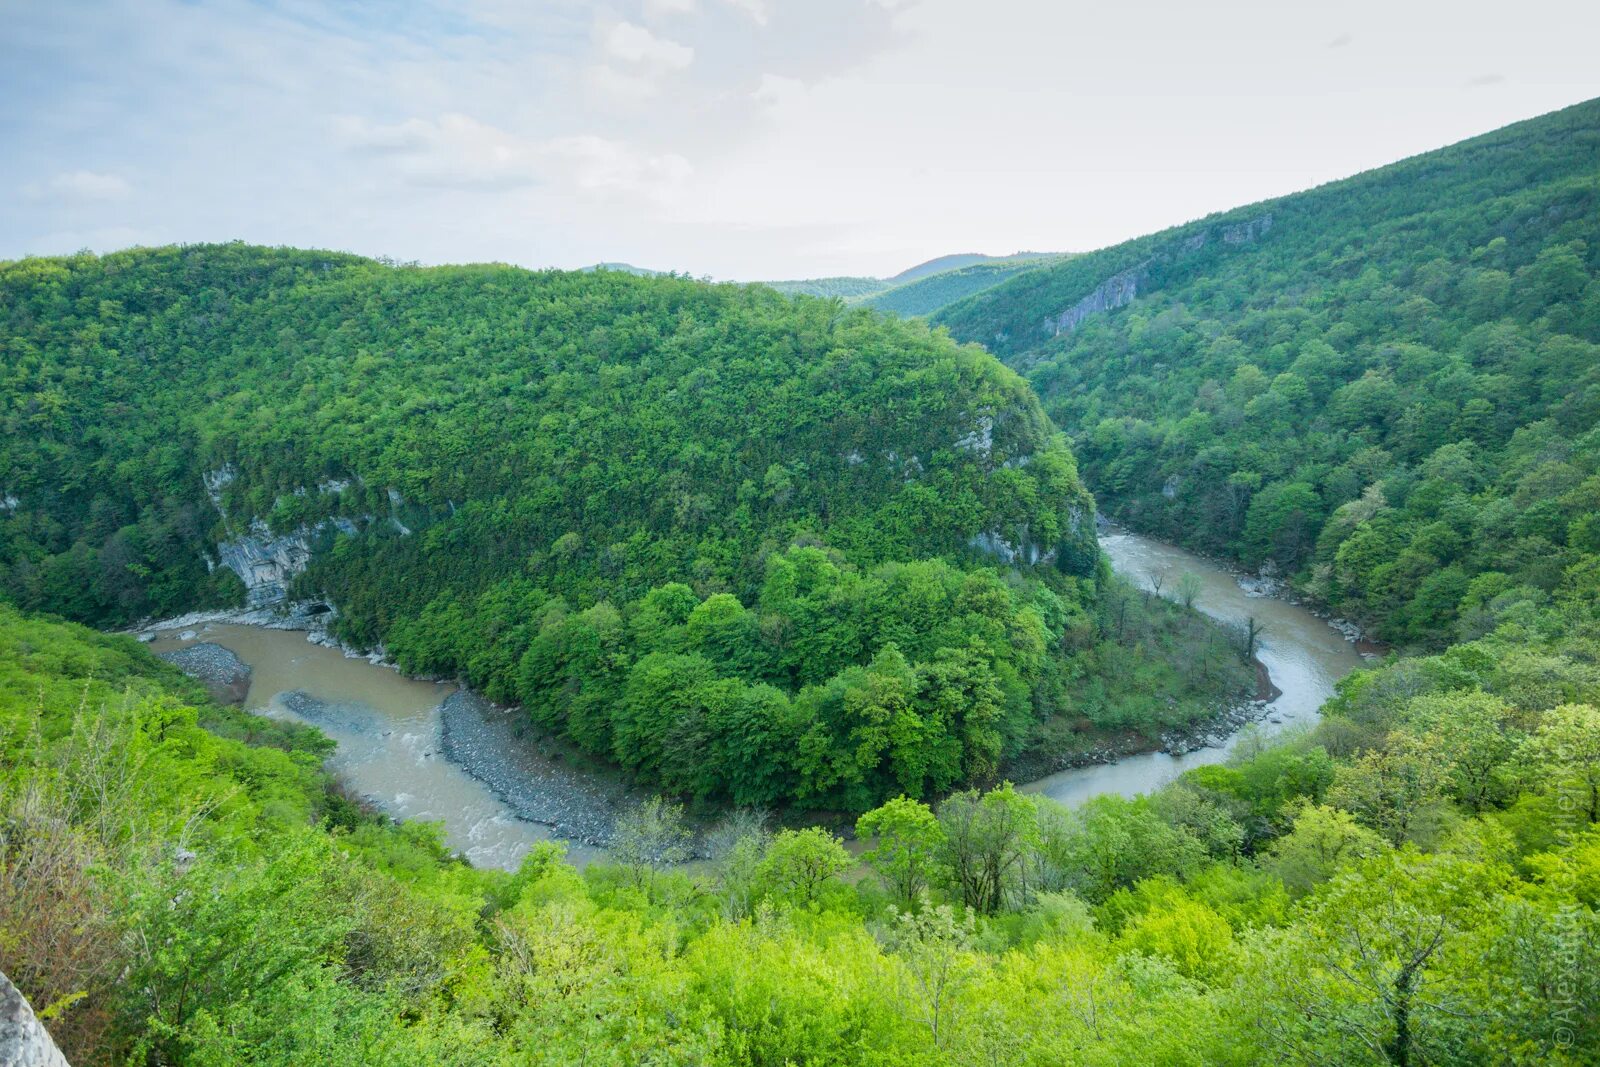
[
  {"x": 225, "y": 675},
  {"x": 489, "y": 742}
]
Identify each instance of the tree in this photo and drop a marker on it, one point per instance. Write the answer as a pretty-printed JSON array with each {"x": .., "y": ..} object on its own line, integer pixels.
[
  {"x": 1323, "y": 840},
  {"x": 935, "y": 948},
  {"x": 1472, "y": 734},
  {"x": 987, "y": 838},
  {"x": 905, "y": 852},
  {"x": 798, "y": 862},
  {"x": 1188, "y": 588},
  {"x": 1392, "y": 789},
  {"x": 1565, "y": 753},
  {"x": 649, "y": 837}
]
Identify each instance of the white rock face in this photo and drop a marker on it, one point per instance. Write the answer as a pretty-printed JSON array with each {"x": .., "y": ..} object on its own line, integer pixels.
[
  {"x": 991, "y": 543},
  {"x": 24, "y": 1042},
  {"x": 981, "y": 439},
  {"x": 266, "y": 562}
]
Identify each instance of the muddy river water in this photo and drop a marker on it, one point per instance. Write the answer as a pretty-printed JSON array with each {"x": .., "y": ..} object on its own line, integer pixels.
[
  {"x": 420, "y": 750},
  {"x": 1304, "y": 655}
]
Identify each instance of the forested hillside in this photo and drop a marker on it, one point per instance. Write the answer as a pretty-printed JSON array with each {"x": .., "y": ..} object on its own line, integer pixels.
[
  {"x": 1387, "y": 386},
  {"x": 752, "y": 548},
  {"x": 927, "y": 294},
  {"x": 1417, "y": 882}
]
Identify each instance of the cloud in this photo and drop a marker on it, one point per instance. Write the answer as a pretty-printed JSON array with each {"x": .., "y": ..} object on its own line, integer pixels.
[
  {"x": 633, "y": 44},
  {"x": 78, "y": 187},
  {"x": 668, "y": 8},
  {"x": 758, "y": 10},
  {"x": 595, "y": 164},
  {"x": 1484, "y": 80},
  {"x": 457, "y": 151},
  {"x": 1344, "y": 40},
  {"x": 775, "y": 90}
]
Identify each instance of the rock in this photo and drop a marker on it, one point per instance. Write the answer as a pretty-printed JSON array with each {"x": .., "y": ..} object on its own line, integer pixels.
[
  {"x": 224, "y": 674},
  {"x": 24, "y": 1042},
  {"x": 482, "y": 739}
]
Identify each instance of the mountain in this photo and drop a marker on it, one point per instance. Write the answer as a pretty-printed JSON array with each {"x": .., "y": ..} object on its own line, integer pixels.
[
  {"x": 848, "y": 289},
  {"x": 929, "y": 293},
  {"x": 687, "y": 525},
  {"x": 625, "y": 268},
  {"x": 1386, "y": 387},
  {"x": 918, "y": 290},
  {"x": 957, "y": 261}
]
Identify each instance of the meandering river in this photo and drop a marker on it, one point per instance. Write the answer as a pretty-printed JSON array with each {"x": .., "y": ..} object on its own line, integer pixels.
[
  {"x": 1304, "y": 655},
  {"x": 420, "y": 750}
]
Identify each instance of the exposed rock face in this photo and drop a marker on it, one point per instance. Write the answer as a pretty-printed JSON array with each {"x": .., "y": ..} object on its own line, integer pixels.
[
  {"x": 981, "y": 439},
  {"x": 1114, "y": 292},
  {"x": 24, "y": 1042},
  {"x": 1122, "y": 287},
  {"x": 991, "y": 543},
  {"x": 266, "y": 562}
]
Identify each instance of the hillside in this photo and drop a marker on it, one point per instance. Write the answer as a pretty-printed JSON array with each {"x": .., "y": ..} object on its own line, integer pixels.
[
  {"x": 185, "y": 885},
  {"x": 716, "y": 535},
  {"x": 847, "y": 289},
  {"x": 928, "y": 294},
  {"x": 922, "y": 289},
  {"x": 1386, "y": 386}
]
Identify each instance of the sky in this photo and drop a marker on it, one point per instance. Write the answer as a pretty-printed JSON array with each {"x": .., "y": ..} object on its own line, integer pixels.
[{"x": 736, "y": 139}]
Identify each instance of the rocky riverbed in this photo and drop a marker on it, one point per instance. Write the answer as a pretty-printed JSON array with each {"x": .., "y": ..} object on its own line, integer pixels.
[
  {"x": 224, "y": 674},
  {"x": 492, "y": 744}
]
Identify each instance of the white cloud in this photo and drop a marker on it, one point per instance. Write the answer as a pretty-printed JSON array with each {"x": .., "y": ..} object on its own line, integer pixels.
[
  {"x": 631, "y": 43},
  {"x": 759, "y": 10},
  {"x": 460, "y": 152},
  {"x": 775, "y": 90},
  {"x": 668, "y": 8},
  {"x": 77, "y": 187},
  {"x": 597, "y": 165}
]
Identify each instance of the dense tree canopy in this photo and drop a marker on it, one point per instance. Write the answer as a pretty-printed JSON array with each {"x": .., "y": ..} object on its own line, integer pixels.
[
  {"x": 182, "y": 884},
  {"x": 1388, "y": 385},
  {"x": 753, "y": 548}
]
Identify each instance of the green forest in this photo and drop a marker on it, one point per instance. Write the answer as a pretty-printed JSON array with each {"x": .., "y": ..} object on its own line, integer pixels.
[
  {"x": 1387, "y": 387},
  {"x": 1417, "y": 881},
  {"x": 767, "y": 535},
  {"x": 773, "y": 553}
]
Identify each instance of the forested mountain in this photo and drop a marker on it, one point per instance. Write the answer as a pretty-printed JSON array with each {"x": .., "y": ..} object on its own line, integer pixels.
[
  {"x": 1388, "y": 386},
  {"x": 928, "y": 294},
  {"x": 959, "y": 261},
  {"x": 753, "y": 548},
  {"x": 923, "y": 289},
  {"x": 845, "y": 288}
]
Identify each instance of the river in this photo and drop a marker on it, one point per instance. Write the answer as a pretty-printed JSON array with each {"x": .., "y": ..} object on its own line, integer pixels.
[
  {"x": 1304, "y": 655},
  {"x": 498, "y": 793},
  {"x": 389, "y": 729}
]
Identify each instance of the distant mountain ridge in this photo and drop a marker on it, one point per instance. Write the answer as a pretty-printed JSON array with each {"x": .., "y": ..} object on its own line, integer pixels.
[{"x": 924, "y": 288}]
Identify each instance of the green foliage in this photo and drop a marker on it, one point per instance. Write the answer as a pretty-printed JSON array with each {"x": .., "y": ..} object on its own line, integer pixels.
[
  {"x": 929, "y": 294},
  {"x": 1386, "y": 385},
  {"x": 744, "y": 545},
  {"x": 174, "y": 895}
]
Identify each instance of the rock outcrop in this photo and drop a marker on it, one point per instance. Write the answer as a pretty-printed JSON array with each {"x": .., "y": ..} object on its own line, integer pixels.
[
  {"x": 1122, "y": 287},
  {"x": 24, "y": 1042},
  {"x": 1114, "y": 292}
]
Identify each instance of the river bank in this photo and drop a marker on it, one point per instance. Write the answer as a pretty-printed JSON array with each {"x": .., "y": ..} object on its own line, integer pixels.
[{"x": 421, "y": 748}]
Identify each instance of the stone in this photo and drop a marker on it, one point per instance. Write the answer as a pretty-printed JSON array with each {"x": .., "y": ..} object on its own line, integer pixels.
[{"x": 24, "y": 1042}]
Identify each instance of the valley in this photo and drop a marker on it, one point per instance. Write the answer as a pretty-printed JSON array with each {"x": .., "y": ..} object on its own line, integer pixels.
[
  {"x": 630, "y": 598},
  {"x": 497, "y": 791}
]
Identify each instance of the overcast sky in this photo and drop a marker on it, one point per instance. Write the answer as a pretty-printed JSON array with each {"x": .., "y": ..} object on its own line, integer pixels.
[{"x": 735, "y": 138}]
